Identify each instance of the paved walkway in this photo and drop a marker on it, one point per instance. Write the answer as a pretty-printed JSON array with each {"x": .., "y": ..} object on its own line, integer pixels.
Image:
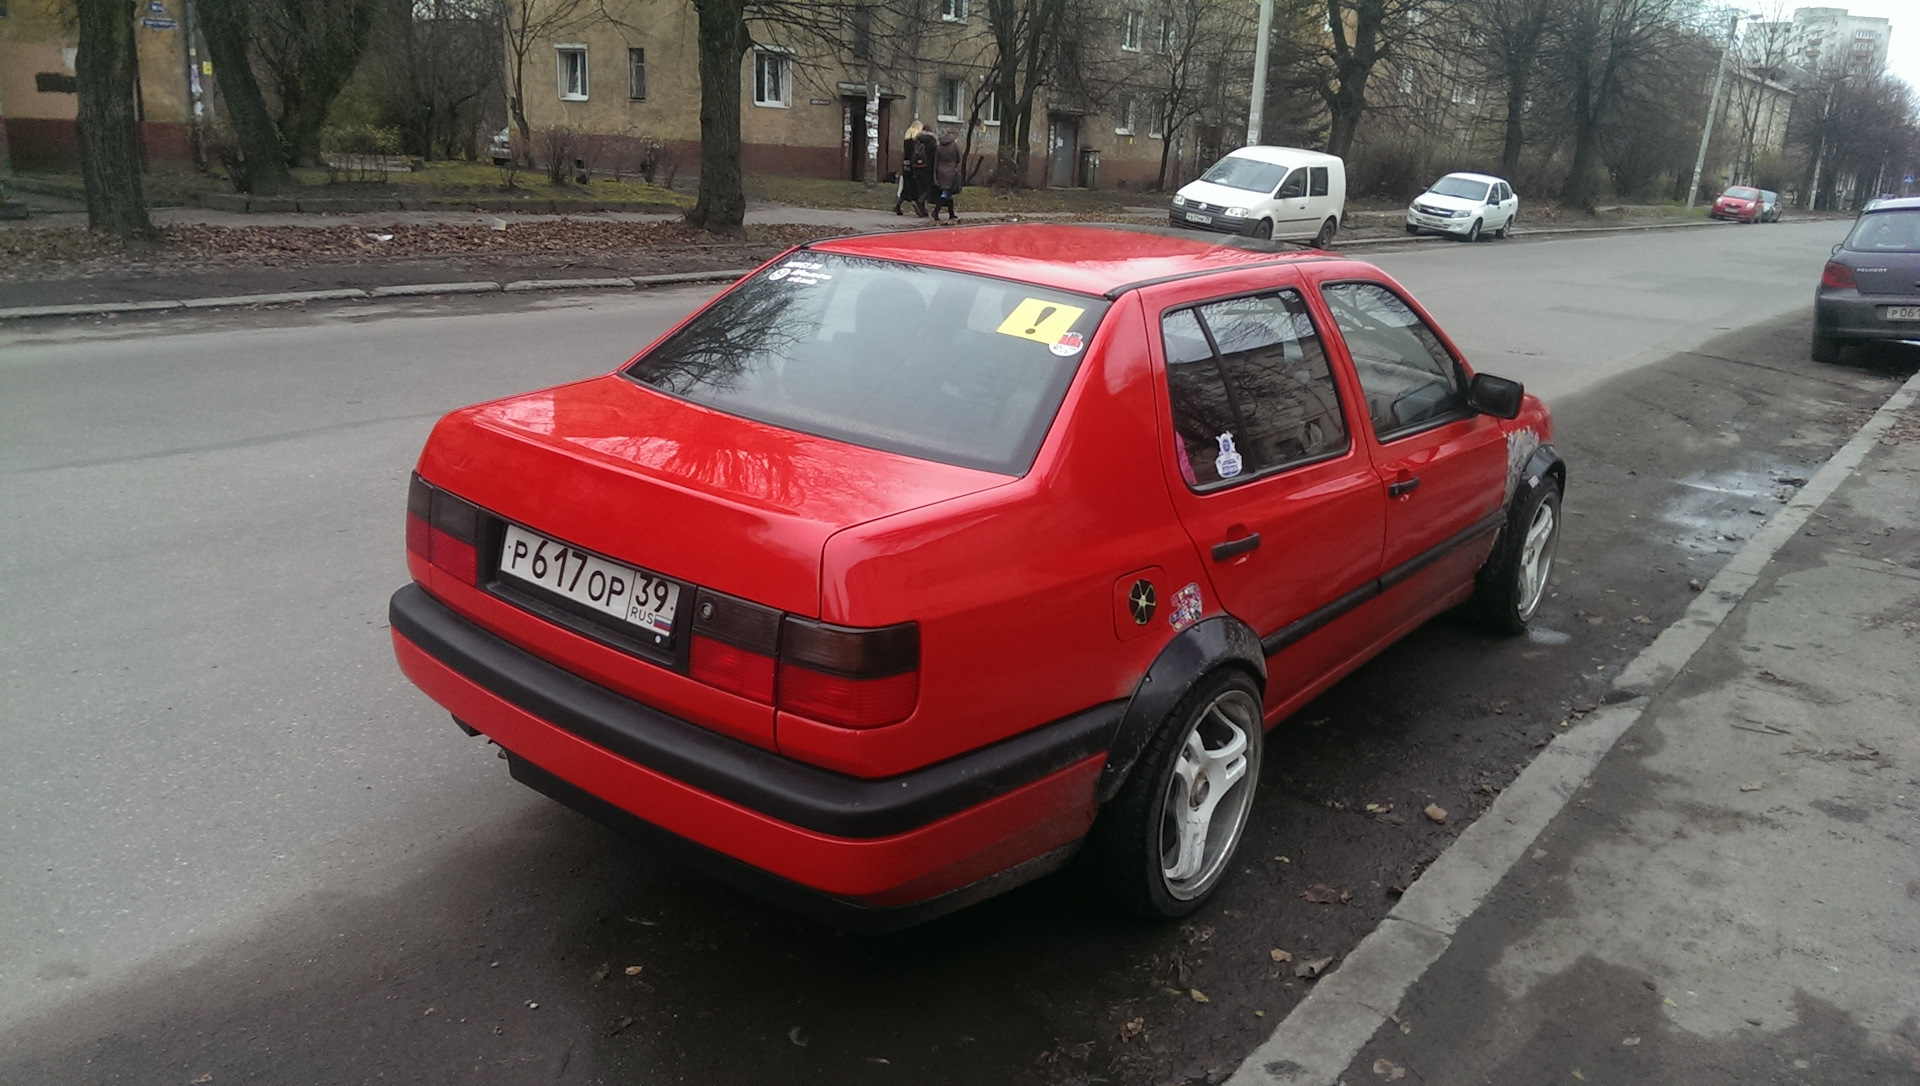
[{"x": 1712, "y": 880}]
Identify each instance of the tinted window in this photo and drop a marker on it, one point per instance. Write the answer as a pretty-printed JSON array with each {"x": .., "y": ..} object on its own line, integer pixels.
[
  {"x": 1409, "y": 378},
  {"x": 1295, "y": 185},
  {"x": 1250, "y": 388},
  {"x": 1461, "y": 187},
  {"x": 956, "y": 368},
  {"x": 1245, "y": 173},
  {"x": 1319, "y": 182},
  {"x": 1887, "y": 232}
]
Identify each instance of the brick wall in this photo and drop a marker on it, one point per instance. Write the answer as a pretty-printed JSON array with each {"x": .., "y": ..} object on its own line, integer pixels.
[{"x": 42, "y": 144}]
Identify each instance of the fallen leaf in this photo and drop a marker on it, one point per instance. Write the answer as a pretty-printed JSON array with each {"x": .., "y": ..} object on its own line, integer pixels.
[
  {"x": 797, "y": 1037},
  {"x": 881, "y": 1060},
  {"x": 1630, "y": 1041},
  {"x": 1389, "y": 1070},
  {"x": 1198, "y": 996},
  {"x": 1346, "y": 896},
  {"x": 1578, "y": 1075},
  {"x": 1279, "y": 955},
  {"x": 1643, "y": 620},
  {"x": 208, "y": 1077},
  {"x": 1320, "y": 894},
  {"x": 1435, "y": 812},
  {"x": 1668, "y": 1000},
  {"x": 1133, "y": 1028},
  {"x": 1312, "y": 969},
  {"x": 532, "y": 1006},
  {"x": 1751, "y": 786},
  {"x": 623, "y": 1023},
  {"x": 1694, "y": 583},
  {"x": 1283, "y": 859},
  {"x": 633, "y": 970},
  {"x": 1539, "y": 853},
  {"x": 1379, "y": 808},
  {"x": 1259, "y": 1014}
]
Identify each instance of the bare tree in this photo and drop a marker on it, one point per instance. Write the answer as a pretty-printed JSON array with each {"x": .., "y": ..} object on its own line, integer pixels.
[
  {"x": 530, "y": 25},
  {"x": 1196, "y": 45},
  {"x": 1026, "y": 42},
  {"x": 1602, "y": 51},
  {"x": 1513, "y": 40},
  {"x": 307, "y": 49},
  {"x": 1359, "y": 35},
  {"x": 228, "y": 27},
  {"x": 106, "y": 69},
  {"x": 437, "y": 61}
]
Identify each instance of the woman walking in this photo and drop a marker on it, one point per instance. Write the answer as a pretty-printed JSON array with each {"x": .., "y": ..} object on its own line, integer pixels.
[
  {"x": 947, "y": 176},
  {"x": 916, "y": 169}
]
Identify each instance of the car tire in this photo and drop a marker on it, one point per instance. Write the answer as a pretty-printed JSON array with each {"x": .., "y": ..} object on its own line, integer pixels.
[
  {"x": 1514, "y": 580},
  {"x": 1264, "y": 230},
  {"x": 1327, "y": 229},
  {"x": 1826, "y": 348},
  {"x": 1506, "y": 226},
  {"x": 1473, "y": 232},
  {"x": 1412, "y": 229},
  {"x": 1162, "y": 845}
]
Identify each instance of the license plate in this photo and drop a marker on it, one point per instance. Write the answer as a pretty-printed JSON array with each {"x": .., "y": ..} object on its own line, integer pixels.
[
  {"x": 1195, "y": 216},
  {"x": 646, "y": 600},
  {"x": 1903, "y": 312}
]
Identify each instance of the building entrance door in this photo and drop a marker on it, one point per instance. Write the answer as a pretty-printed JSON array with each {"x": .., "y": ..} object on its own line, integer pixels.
[
  {"x": 853, "y": 129},
  {"x": 1063, "y": 150}
]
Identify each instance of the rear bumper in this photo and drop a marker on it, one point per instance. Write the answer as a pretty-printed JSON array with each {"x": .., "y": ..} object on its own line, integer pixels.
[
  {"x": 905, "y": 847},
  {"x": 1848, "y": 314}
]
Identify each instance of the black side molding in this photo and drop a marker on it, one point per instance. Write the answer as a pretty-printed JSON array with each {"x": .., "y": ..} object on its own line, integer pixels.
[{"x": 793, "y": 792}]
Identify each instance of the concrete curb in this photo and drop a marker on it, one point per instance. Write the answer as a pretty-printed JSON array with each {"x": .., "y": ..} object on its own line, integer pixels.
[
  {"x": 353, "y": 294},
  {"x": 1317, "y": 1041}
]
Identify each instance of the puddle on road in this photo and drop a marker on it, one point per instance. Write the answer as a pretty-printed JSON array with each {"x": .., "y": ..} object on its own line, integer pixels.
[{"x": 1716, "y": 512}]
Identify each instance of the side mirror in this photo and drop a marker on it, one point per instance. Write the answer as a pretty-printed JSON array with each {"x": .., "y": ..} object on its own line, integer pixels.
[{"x": 1496, "y": 396}]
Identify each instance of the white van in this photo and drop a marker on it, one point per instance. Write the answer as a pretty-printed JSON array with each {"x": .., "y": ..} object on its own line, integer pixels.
[{"x": 1267, "y": 192}]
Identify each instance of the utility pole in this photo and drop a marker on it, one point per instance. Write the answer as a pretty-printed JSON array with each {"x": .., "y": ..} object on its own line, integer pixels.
[
  {"x": 1259, "y": 73},
  {"x": 1713, "y": 107}
]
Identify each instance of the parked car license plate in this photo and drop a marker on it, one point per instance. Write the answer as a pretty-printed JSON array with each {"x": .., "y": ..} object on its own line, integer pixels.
[
  {"x": 646, "y": 600},
  {"x": 1903, "y": 312},
  {"x": 1195, "y": 216}
]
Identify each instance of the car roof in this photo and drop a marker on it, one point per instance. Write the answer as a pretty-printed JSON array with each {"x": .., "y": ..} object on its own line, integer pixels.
[
  {"x": 1082, "y": 258},
  {"x": 1893, "y": 203},
  {"x": 1281, "y": 156},
  {"x": 1469, "y": 175}
]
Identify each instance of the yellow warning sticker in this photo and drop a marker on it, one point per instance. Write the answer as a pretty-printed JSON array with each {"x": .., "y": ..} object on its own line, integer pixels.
[{"x": 1040, "y": 321}]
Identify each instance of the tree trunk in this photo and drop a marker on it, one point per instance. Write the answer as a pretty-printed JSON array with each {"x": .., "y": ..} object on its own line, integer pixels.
[
  {"x": 1516, "y": 115},
  {"x": 722, "y": 206},
  {"x": 106, "y": 69},
  {"x": 224, "y": 23}
]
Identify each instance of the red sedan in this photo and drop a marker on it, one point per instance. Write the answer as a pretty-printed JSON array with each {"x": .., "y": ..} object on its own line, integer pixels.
[{"x": 914, "y": 564}]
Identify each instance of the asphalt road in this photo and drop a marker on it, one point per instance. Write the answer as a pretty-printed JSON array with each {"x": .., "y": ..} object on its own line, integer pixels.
[{"x": 234, "y": 842}]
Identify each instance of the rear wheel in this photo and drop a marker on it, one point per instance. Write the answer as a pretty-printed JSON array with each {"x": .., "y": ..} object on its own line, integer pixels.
[
  {"x": 1163, "y": 844},
  {"x": 1327, "y": 229},
  {"x": 1826, "y": 348},
  {"x": 1506, "y": 226},
  {"x": 1473, "y": 232},
  {"x": 1514, "y": 580},
  {"x": 1264, "y": 230}
]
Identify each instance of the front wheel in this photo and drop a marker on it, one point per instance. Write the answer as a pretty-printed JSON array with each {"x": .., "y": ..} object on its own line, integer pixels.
[
  {"x": 1514, "y": 580},
  {"x": 1264, "y": 230},
  {"x": 1327, "y": 229},
  {"x": 1473, "y": 232},
  {"x": 1166, "y": 840},
  {"x": 1412, "y": 229}
]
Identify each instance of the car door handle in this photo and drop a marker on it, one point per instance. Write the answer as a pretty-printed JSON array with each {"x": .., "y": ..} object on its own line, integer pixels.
[
  {"x": 1232, "y": 547},
  {"x": 1403, "y": 487}
]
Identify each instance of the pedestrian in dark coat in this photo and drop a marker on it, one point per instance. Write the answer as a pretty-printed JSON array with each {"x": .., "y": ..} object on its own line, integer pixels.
[
  {"x": 913, "y": 186},
  {"x": 947, "y": 175},
  {"x": 926, "y": 148}
]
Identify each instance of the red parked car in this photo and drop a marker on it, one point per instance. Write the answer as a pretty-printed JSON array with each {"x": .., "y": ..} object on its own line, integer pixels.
[
  {"x": 914, "y": 563},
  {"x": 1739, "y": 204}
]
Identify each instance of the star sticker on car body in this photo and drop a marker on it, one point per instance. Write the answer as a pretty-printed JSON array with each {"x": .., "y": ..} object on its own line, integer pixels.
[{"x": 1141, "y": 601}]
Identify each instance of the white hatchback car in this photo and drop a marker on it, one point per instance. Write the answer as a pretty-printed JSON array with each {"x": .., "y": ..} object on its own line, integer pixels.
[{"x": 1465, "y": 205}]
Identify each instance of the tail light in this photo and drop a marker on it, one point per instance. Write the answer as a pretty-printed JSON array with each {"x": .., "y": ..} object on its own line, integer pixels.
[
  {"x": 735, "y": 644},
  {"x": 1838, "y": 276},
  {"x": 444, "y": 530},
  {"x": 855, "y": 678}
]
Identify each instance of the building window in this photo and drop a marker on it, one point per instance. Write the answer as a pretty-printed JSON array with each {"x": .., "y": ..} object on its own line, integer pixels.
[
  {"x": 1168, "y": 35},
  {"x": 1157, "y": 119},
  {"x": 990, "y": 109},
  {"x": 1123, "y": 116},
  {"x": 637, "y": 74},
  {"x": 953, "y": 99},
  {"x": 772, "y": 74},
  {"x": 573, "y": 72},
  {"x": 1130, "y": 31},
  {"x": 953, "y": 11}
]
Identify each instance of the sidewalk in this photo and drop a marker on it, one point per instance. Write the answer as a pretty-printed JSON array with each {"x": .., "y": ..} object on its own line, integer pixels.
[{"x": 1712, "y": 880}]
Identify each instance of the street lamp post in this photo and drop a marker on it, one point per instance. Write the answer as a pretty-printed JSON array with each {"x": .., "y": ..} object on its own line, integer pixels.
[
  {"x": 1713, "y": 107},
  {"x": 1259, "y": 73}
]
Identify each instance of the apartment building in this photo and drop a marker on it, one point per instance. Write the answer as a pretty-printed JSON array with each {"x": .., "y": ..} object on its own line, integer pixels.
[{"x": 1829, "y": 39}]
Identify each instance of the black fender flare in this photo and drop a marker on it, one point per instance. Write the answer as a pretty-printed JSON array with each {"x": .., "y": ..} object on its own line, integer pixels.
[
  {"x": 1192, "y": 654},
  {"x": 1545, "y": 461}
]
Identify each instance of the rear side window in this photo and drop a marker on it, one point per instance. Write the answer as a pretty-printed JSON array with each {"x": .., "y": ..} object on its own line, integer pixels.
[
  {"x": 1250, "y": 388},
  {"x": 1319, "y": 181},
  {"x": 1409, "y": 378},
  {"x": 1886, "y": 232},
  {"x": 939, "y": 365}
]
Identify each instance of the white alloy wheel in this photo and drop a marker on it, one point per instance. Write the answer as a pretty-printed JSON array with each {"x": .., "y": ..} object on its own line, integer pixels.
[
  {"x": 1209, "y": 794},
  {"x": 1536, "y": 559}
]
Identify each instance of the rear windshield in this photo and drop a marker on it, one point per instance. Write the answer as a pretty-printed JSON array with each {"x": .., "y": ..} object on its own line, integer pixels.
[
  {"x": 1461, "y": 187},
  {"x": 1739, "y": 193},
  {"x": 1887, "y": 232},
  {"x": 1245, "y": 173},
  {"x": 939, "y": 365}
]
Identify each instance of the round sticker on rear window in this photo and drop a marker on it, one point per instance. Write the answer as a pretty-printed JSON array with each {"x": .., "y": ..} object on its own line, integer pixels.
[{"x": 1068, "y": 345}]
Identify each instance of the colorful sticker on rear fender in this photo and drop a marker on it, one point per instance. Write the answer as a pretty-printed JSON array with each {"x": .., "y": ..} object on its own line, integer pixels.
[
  {"x": 1186, "y": 607},
  {"x": 1040, "y": 320}
]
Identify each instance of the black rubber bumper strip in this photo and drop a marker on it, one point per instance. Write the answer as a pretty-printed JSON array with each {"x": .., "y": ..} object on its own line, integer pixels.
[{"x": 759, "y": 780}]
